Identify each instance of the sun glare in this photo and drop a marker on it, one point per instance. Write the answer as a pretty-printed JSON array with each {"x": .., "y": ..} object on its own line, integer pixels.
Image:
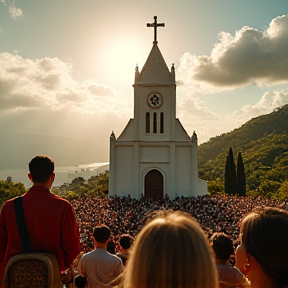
[{"x": 121, "y": 55}]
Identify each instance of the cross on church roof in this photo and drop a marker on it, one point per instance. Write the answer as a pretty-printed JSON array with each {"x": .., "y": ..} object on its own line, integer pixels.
[{"x": 155, "y": 25}]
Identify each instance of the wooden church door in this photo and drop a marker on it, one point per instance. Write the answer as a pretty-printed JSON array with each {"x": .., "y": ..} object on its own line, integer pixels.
[{"x": 154, "y": 184}]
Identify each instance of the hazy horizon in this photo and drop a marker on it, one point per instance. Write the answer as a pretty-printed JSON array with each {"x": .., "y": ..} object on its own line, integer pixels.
[{"x": 63, "y": 174}]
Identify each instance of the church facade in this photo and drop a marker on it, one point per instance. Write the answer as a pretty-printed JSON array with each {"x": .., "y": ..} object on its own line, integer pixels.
[{"x": 154, "y": 156}]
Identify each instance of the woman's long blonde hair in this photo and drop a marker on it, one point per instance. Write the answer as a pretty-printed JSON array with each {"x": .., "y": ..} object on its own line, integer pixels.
[{"x": 171, "y": 251}]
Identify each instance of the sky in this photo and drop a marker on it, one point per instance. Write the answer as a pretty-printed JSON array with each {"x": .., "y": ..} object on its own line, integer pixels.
[{"x": 67, "y": 69}]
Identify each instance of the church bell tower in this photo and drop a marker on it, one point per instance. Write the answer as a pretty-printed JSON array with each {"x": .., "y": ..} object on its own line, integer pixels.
[
  {"x": 155, "y": 96},
  {"x": 154, "y": 156}
]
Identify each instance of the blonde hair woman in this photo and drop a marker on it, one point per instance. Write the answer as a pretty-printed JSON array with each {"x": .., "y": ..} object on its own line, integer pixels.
[
  {"x": 171, "y": 251},
  {"x": 263, "y": 252}
]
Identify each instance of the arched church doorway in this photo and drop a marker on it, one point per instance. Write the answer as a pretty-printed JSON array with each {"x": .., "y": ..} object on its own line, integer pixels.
[{"x": 154, "y": 184}]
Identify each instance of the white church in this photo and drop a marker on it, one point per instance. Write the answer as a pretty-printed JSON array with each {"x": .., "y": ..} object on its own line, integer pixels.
[{"x": 154, "y": 156}]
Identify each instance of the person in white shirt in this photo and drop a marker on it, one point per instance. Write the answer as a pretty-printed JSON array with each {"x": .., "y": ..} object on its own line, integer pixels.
[{"x": 99, "y": 266}]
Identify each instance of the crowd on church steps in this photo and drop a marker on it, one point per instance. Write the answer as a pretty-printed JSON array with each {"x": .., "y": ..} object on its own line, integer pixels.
[{"x": 126, "y": 215}]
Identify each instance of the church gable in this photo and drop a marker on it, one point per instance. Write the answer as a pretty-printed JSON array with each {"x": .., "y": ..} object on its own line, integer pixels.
[
  {"x": 180, "y": 132},
  {"x": 127, "y": 133},
  {"x": 155, "y": 69}
]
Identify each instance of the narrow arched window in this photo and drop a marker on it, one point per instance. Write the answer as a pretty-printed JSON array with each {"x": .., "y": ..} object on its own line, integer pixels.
[
  {"x": 162, "y": 122},
  {"x": 147, "y": 122},
  {"x": 154, "y": 122}
]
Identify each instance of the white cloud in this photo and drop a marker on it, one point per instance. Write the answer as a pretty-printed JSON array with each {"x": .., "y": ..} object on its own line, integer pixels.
[
  {"x": 48, "y": 112},
  {"x": 268, "y": 102},
  {"x": 15, "y": 13},
  {"x": 47, "y": 83},
  {"x": 195, "y": 116},
  {"x": 250, "y": 57}
]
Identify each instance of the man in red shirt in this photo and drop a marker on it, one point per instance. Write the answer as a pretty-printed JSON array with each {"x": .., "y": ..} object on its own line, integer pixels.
[{"x": 50, "y": 220}]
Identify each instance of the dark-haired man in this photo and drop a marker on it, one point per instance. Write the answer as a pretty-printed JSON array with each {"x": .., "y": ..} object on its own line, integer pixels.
[
  {"x": 99, "y": 266},
  {"x": 125, "y": 242},
  {"x": 50, "y": 220}
]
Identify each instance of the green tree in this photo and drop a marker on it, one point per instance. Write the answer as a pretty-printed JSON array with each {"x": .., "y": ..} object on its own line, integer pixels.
[
  {"x": 268, "y": 188},
  {"x": 282, "y": 193},
  {"x": 70, "y": 195},
  {"x": 215, "y": 187},
  {"x": 240, "y": 176},
  {"x": 230, "y": 174},
  {"x": 95, "y": 186},
  {"x": 10, "y": 190}
]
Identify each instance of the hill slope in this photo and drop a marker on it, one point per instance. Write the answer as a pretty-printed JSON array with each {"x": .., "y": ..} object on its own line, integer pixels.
[{"x": 263, "y": 142}]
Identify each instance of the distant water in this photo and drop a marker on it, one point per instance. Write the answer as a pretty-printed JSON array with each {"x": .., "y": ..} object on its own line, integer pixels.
[{"x": 63, "y": 174}]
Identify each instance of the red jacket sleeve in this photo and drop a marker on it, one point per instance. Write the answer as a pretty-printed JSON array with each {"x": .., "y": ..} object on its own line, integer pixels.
[{"x": 70, "y": 236}]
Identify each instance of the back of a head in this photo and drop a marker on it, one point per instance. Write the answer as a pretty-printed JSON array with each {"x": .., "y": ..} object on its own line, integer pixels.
[
  {"x": 222, "y": 245},
  {"x": 171, "y": 251},
  {"x": 101, "y": 233},
  {"x": 265, "y": 237},
  {"x": 111, "y": 247},
  {"x": 41, "y": 167},
  {"x": 126, "y": 241}
]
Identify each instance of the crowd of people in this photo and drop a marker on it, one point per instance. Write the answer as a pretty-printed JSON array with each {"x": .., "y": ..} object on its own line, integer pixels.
[
  {"x": 172, "y": 250},
  {"x": 182, "y": 242},
  {"x": 219, "y": 218},
  {"x": 125, "y": 215}
]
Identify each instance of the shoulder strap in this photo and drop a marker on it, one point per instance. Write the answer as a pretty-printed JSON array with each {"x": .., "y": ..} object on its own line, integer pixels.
[{"x": 22, "y": 228}]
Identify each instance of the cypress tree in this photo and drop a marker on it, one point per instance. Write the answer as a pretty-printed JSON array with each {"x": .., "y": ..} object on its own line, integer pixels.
[
  {"x": 230, "y": 174},
  {"x": 241, "y": 176},
  {"x": 226, "y": 177}
]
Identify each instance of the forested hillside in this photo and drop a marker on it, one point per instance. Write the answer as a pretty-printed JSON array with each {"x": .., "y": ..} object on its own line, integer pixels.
[{"x": 263, "y": 142}]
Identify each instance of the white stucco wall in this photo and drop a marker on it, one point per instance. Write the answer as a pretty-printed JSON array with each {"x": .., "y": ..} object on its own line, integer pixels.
[
  {"x": 183, "y": 171},
  {"x": 154, "y": 154},
  {"x": 202, "y": 187},
  {"x": 123, "y": 181}
]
